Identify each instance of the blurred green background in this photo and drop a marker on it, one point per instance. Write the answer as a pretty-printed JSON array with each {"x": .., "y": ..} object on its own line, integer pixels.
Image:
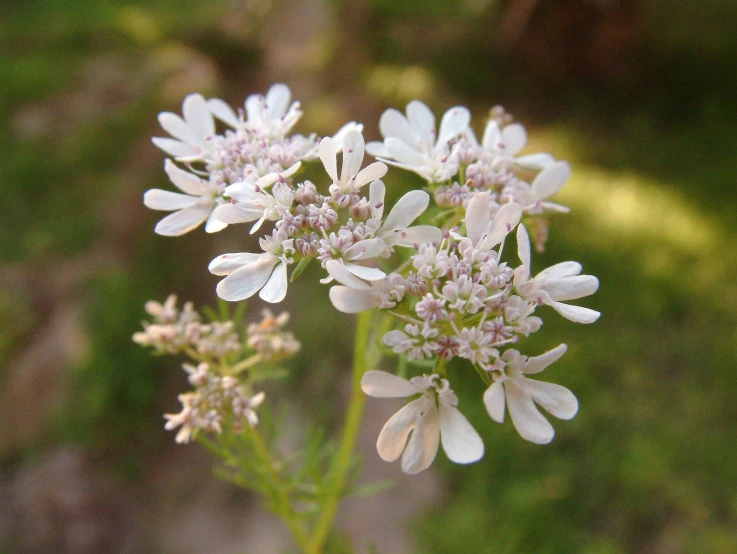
[{"x": 638, "y": 94}]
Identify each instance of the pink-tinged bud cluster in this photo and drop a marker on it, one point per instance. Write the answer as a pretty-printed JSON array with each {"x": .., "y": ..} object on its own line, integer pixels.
[
  {"x": 173, "y": 330},
  {"x": 216, "y": 401},
  {"x": 269, "y": 339}
]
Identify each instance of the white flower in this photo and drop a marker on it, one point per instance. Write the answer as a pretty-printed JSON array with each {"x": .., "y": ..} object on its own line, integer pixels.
[
  {"x": 484, "y": 231},
  {"x": 395, "y": 230},
  {"x": 412, "y": 142},
  {"x": 273, "y": 115},
  {"x": 555, "y": 284},
  {"x": 522, "y": 393},
  {"x": 190, "y": 209},
  {"x": 549, "y": 181},
  {"x": 191, "y": 133},
  {"x": 352, "y": 177},
  {"x": 432, "y": 419},
  {"x": 252, "y": 203},
  {"x": 248, "y": 273},
  {"x": 355, "y": 295},
  {"x": 507, "y": 142}
]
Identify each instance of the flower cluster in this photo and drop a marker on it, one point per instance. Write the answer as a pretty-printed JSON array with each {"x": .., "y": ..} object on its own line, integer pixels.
[
  {"x": 255, "y": 149},
  {"x": 460, "y": 300},
  {"x": 454, "y": 295},
  {"x": 227, "y": 358},
  {"x": 216, "y": 400},
  {"x": 457, "y": 166}
]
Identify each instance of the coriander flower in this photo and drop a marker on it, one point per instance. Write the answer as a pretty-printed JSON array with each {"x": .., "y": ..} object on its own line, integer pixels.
[
  {"x": 555, "y": 284},
  {"x": 432, "y": 418},
  {"x": 247, "y": 273},
  {"x": 190, "y": 209},
  {"x": 484, "y": 231},
  {"x": 395, "y": 230},
  {"x": 549, "y": 181},
  {"x": 355, "y": 295},
  {"x": 190, "y": 133},
  {"x": 411, "y": 142},
  {"x": 512, "y": 388},
  {"x": 506, "y": 142},
  {"x": 352, "y": 177}
]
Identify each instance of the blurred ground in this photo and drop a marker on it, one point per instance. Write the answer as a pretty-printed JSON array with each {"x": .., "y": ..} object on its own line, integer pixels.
[{"x": 638, "y": 95}]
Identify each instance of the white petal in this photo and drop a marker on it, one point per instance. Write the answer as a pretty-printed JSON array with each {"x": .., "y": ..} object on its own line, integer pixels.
[
  {"x": 537, "y": 363},
  {"x": 423, "y": 444},
  {"x": 176, "y": 127},
  {"x": 523, "y": 246},
  {"x": 198, "y": 117},
  {"x": 395, "y": 337},
  {"x": 232, "y": 214},
  {"x": 247, "y": 280},
  {"x": 327, "y": 153},
  {"x": 377, "y": 150},
  {"x": 576, "y": 314},
  {"x": 461, "y": 442},
  {"x": 184, "y": 220},
  {"x": 353, "y": 147},
  {"x": 376, "y": 198},
  {"x": 529, "y": 422},
  {"x": 365, "y": 249},
  {"x": 514, "y": 137},
  {"x": 381, "y": 384},
  {"x": 494, "y": 401},
  {"x": 175, "y": 148},
  {"x": 505, "y": 220},
  {"x": 560, "y": 271},
  {"x": 226, "y": 264},
  {"x": 184, "y": 180},
  {"x": 535, "y": 161},
  {"x": 338, "y": 137},
  {"x": 351, "y": 301},
  {"x": 340, "y": 273},
  {"x": 277, "y": 100},
  {"x": 275, "y": 288},
  {"x": 271, "y": 178},
  {"x": 255, "y": 108},
  {"x": 454, "y": 122},
  {"x": 557, "y": 400},
  {"x": 420, "y": 234},
  {"x": 406, "y": 210},
  {"x": 393, "y": 435},
  {"x": 492, "y": 135},
  {"x": 370, "y": 173},
  {"x": 403, "y": 153},
  {"x": 157, "y": 199},
  {"x": 368, "y": 273},
  {"x": 570, "y": 288},
  {"x": 551, "y": 180},
  {"x": 223, "y": 112},
  {"x": 392, "y": 123},
  {"x": 553, "y": 207},
  {"x": 422, "y": 121},
  {"x": 477, "y": 217},
  {"x": 213, "y": 224}
]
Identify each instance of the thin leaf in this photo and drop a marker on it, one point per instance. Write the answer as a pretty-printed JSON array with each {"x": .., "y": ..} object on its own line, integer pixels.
[{"x": 301, "y": 266}]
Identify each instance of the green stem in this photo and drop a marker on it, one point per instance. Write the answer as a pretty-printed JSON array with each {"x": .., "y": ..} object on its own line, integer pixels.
[
  {"x": 281, "y": 500},
  {"x": 344, "y": 457},
  {"x": 244, "y": 365}
]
